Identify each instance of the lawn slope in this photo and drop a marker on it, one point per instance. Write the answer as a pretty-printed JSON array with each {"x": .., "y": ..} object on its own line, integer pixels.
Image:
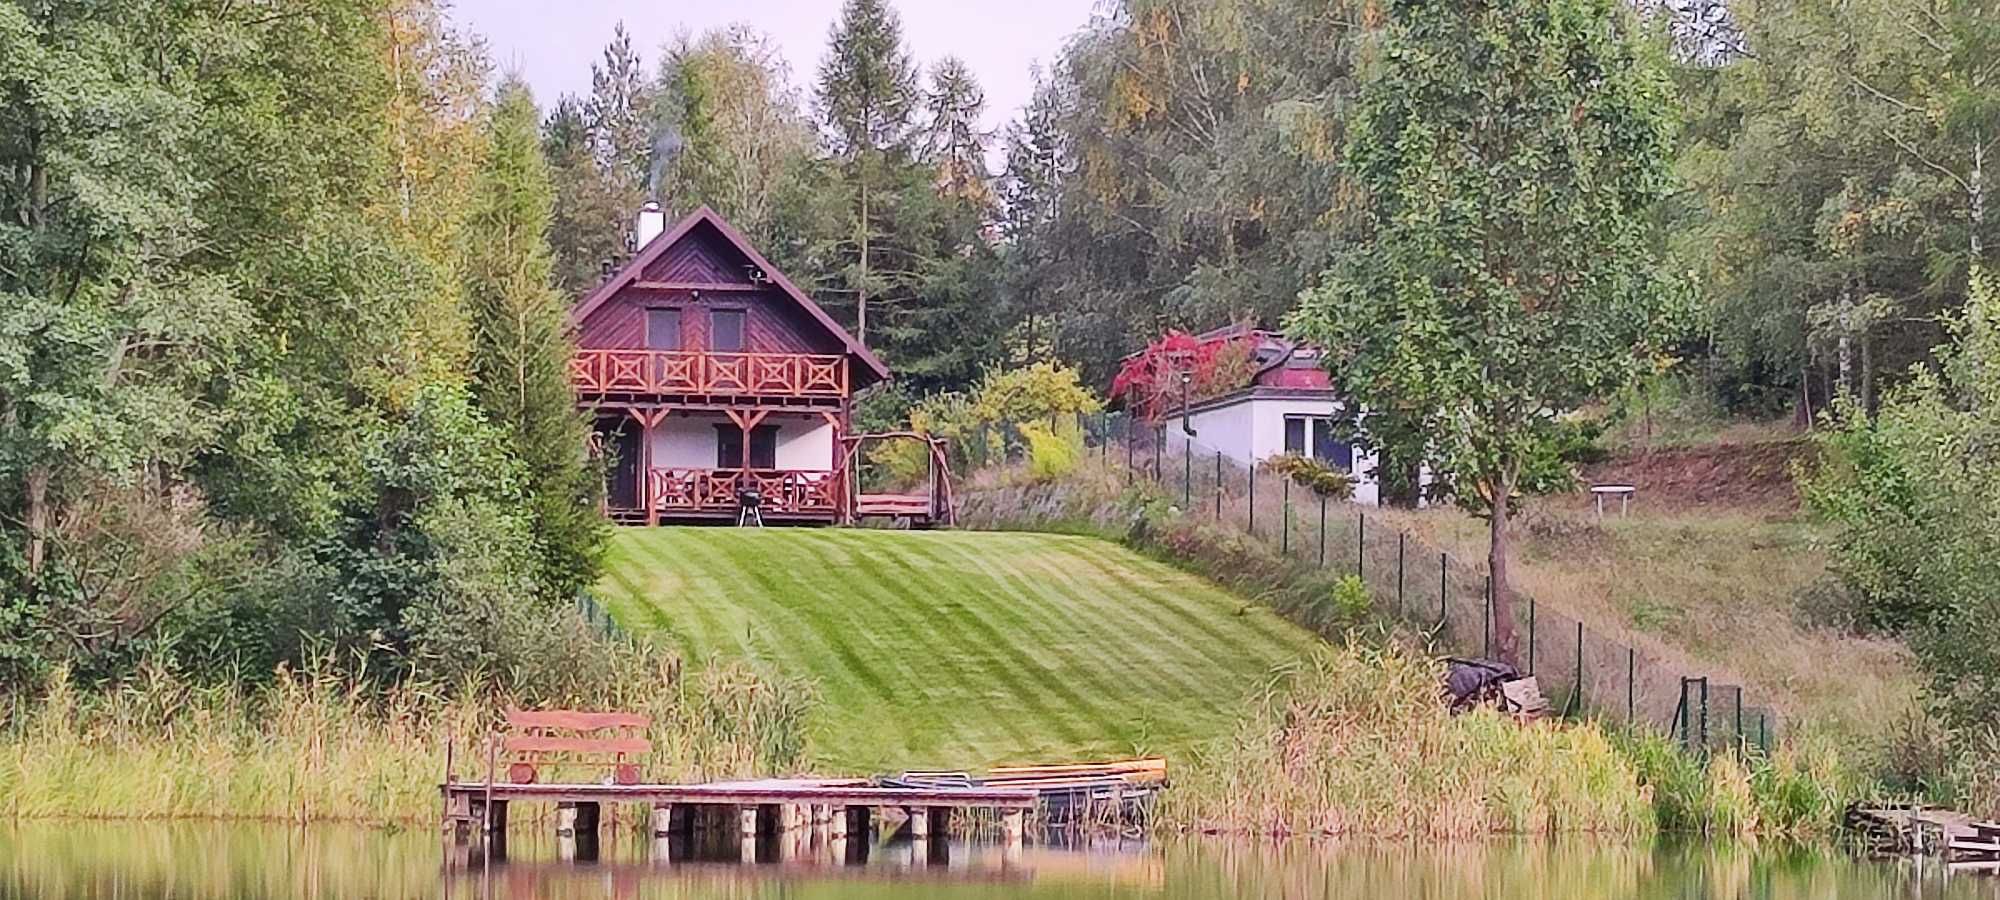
[{"x": 959, "y": 649}]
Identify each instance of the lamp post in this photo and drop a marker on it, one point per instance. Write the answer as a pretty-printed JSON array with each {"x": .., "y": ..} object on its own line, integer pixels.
[{"x": 1187, "y": 446}]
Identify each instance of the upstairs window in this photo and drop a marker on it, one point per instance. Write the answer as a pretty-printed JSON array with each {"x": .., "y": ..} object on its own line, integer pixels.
[
  {"x": 1313, "y": 436},
  {"x": 725, "y": 330},
  {"x": 663, "y": 329}
]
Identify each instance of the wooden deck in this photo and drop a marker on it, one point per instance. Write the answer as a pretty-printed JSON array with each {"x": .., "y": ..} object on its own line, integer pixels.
[
  {"x": 1918, "y": 830},
  {"x": 749, "y": 793}
]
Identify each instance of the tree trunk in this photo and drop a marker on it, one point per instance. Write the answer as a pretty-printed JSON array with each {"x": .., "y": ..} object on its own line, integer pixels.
[
  {"x": 1867, "y": 376},
  {"x": 1978, "y": 195},
  {"x": 861, "y": 303},
  {"x": 1504, "y": 643},
  {"x": 37, "y": 501}
]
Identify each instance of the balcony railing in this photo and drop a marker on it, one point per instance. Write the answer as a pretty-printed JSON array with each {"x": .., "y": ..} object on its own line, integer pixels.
[
  {"x": 708, "y": 374},
  {"x": 783, "y": 491}
]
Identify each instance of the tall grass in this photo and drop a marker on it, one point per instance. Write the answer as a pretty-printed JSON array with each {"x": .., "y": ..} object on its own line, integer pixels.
[
  {"x": 1359, "y": 743},
  {"x": 318, "y": 745}
]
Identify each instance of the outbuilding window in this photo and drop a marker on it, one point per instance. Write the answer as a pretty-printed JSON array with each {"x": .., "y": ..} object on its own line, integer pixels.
[{"x": 1313, "y": 436}]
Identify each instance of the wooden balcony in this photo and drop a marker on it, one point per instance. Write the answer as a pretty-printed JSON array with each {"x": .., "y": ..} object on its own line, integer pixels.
[
  {"x": 697, "y": 374},
  {"x": 786, "y": 492}
]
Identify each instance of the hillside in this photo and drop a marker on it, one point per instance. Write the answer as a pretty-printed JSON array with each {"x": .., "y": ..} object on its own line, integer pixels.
[
  {"x": 1717, "y": 566},
  {"x": 958, "y": 649}
]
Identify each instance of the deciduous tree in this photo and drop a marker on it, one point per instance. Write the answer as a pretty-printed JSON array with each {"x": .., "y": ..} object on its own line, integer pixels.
[{"x": 1510, "y": 155}]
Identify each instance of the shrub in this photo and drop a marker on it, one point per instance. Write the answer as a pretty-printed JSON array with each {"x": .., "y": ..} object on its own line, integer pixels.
[
  {"x": 1312, "y": 474},
  {"x": 1351, "y": 603},
  {"x": 1915, "y": 490},
  {"x": 1053, "y": 453}
]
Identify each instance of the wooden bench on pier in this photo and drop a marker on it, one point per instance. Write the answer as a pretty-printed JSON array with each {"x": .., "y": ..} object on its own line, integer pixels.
[{"x": 538, "y": 739}]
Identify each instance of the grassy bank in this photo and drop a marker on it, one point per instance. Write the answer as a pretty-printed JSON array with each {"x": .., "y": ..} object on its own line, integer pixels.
[
  {"x": 1741, "y": 594},
  {"x": 321, "y": 747},
  {"x": 959, "y": 649},
  {"x": 1452, "y": 773},
  {"x": 1358, "y": 744}
]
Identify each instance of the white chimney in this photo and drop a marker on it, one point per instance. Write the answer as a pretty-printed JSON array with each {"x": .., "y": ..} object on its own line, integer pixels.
[{"x": 651, "y": 223}]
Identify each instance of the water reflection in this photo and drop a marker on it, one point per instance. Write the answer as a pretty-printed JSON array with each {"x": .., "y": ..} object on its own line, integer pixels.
[{"x": 157, "y": 860}]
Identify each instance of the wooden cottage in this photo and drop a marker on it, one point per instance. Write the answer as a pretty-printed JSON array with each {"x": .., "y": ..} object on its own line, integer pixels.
[{"x": 709, "y": 373}]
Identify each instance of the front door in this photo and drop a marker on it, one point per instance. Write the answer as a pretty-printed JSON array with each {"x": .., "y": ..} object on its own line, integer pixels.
[{"x": 621, "y": 464}]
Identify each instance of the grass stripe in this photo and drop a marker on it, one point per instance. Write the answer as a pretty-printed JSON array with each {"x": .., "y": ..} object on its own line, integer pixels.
[{"x": 959, "y": 649}]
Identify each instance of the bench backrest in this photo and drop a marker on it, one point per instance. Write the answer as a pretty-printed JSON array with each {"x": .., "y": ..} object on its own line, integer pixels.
[{"x": 613, "y": 734}]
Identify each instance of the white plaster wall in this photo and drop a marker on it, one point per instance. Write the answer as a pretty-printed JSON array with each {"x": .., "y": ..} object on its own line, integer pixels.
[
  {"x": 687, "y": 441},
  {"x": 1253, "y": 430},
  {"x": 1225, "y": 428},
  {"x": 805, "y": 444}
]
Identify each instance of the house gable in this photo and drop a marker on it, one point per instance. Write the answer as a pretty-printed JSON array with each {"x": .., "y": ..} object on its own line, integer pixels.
[{"x": 703, "y": 266}]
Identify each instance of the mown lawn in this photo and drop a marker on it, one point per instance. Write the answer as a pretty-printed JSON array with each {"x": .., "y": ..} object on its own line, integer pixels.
[{"x": 958, "y": 648}]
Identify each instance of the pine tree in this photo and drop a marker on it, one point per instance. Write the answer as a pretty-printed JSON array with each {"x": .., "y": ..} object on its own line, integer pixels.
[
  {"x": 521, "y": 344},
  {"x": 867, "y": 95},
  {"x": 953, "y": 140}
]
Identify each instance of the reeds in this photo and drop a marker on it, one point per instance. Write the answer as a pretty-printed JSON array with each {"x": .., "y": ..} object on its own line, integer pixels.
[
  {"x": 318, "y": 745},
  {"x": 1359, "y": 743}
]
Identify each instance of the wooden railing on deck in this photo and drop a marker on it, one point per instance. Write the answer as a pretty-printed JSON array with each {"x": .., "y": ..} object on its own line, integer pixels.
[
  {"x": 714, "y": 490},
  {"x": 708, "y": 374}
]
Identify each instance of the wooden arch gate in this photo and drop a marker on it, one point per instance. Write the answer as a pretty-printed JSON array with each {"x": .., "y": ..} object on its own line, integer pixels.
[{"x": 933, "y": 506}]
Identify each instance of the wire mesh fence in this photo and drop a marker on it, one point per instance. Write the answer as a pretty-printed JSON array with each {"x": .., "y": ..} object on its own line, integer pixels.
[{"x": 1583, "y": 672}]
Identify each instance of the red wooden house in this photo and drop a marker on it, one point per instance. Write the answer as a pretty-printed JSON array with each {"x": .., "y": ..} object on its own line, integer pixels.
[{"x": 708, "y": 372}]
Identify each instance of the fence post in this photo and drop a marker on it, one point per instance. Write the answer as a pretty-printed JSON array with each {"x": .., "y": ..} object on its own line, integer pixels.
[
  {"x": 1444, "y": 568},
  {"x": 1322, "y": 531},
  {"x": 1531, "y": 635},
  {"x": 1187, "y": 473},
  {"x": 1159, "y": 441},
  {"x": 1253, "y": 499},
  {"x": 1360, "y": 543},
  {"x": 1762, "y": 744},
  {"x": 1739, "y": 723},
  {"x": 1681, "y": 715},
  {"x": 1285, "y": 532},
  {"x": 1631, "y": 692},
  {"x": 1218, "y": 487},
  {"x": 1399, "y": 571},
  {"x": 1704, "y": 715},
  {"x": 1103, "y": 434},
  {"x": 1577, "y": 695}
]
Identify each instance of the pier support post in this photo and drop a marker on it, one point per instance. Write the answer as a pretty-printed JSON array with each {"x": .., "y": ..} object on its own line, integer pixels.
[
  {"x": 662, "y": 828},
  {"x": 747, "y": 816},
  {"x": 1013, "y": 826},
  {"x": 920, "y": 823}
]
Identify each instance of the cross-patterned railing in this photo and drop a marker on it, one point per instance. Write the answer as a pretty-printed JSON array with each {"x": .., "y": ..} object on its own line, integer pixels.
[
  {"x": 714, "y": 490},
  {"x": 709, "y": 374}
]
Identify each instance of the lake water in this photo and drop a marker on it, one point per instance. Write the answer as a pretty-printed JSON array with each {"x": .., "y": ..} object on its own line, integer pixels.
[{"x": 185, "y": 860}]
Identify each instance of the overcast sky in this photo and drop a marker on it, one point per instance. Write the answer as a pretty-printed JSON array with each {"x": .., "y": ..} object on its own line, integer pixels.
[{"x": 554, "y": 43}]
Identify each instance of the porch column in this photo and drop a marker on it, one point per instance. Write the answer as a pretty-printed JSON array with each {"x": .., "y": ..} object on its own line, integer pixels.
[{"x": 646, "y": 422}]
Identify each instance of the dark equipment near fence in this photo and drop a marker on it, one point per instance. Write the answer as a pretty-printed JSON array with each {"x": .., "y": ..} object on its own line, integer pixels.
[{"x": 1472, "y": 683}]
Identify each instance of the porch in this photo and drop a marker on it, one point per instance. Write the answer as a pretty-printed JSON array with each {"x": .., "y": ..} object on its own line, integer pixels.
[{"x": 691, "y": 464}]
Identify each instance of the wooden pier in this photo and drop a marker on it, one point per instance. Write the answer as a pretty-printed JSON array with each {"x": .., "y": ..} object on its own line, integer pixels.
[
  {"x": 1958, "y": 839},
  {"x": 803, "y": 815},
  {"x": 832, "y": 816}
]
